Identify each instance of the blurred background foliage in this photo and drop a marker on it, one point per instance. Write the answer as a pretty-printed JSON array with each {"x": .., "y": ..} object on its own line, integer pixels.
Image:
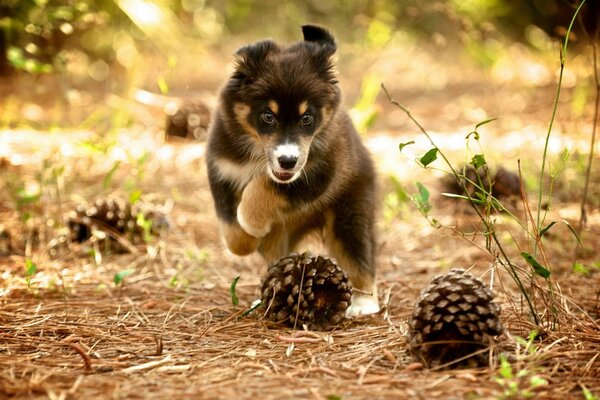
[{"x": 115, "y": 45}]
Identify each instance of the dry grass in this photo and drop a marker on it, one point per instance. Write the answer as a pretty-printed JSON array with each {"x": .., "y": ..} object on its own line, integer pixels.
[{"x": 145, "y": 340}]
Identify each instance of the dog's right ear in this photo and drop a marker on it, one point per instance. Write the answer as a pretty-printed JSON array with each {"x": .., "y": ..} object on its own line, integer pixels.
[{"x": 249, "y": 59}]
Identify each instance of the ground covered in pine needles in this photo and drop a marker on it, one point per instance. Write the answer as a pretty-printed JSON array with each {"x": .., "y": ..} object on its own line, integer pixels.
[{"x": 155, "y": 317}]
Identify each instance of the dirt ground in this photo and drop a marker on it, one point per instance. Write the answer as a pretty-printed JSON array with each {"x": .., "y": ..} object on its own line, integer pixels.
[{"x": 169, "y": 329}]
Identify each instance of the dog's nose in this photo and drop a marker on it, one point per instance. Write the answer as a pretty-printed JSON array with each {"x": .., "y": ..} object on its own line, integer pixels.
[{"x": 287, "y": 162}]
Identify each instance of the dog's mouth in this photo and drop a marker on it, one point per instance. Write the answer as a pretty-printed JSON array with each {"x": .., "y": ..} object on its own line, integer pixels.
[{"x": 283, "y": 176}]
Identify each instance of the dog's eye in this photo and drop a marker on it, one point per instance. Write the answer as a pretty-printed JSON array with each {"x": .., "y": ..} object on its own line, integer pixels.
[
  {"x": 306, "y": 119},
  {"x": 268, "y": 117}
]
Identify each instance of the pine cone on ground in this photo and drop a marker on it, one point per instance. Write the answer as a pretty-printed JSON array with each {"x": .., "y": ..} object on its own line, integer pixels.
[
  {"x": 6, "y": 247},
  {"x": 503, "y": 184},
  {"x": 313, "y": 288},
  {"x": 478, "y": 176},
  {"x": 453, "y": 318},
  {"x": 188, "y": 119},
  {"x": 506, "y": 184},
  {"x": 113, "y": 217}
]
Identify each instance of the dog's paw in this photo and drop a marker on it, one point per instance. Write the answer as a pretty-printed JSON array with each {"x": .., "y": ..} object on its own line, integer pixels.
[
  {"x": 252, "y": 225},
  {"x": 362, "y": 304}
]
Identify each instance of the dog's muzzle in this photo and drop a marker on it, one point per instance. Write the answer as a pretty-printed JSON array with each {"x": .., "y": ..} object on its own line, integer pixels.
[{"x": 284, "y": 164}]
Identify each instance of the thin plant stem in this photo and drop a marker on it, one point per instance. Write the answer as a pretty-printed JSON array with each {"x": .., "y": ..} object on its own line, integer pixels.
[
  {"x": 563, "y": 56},
  {"x": 588, "y": 172}
]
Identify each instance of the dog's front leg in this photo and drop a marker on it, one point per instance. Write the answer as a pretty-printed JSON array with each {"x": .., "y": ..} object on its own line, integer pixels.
[{"x": 261, "y": 206}]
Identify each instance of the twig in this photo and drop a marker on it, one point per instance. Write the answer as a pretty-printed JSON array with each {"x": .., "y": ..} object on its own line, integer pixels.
[
  {"x": 588, "y": 171},
  {"x": 290, "y": 339},
  {"x": 148, "y": 365},
  {"x": 87, "y": 361},
  {"x": 159, "y": 345}
]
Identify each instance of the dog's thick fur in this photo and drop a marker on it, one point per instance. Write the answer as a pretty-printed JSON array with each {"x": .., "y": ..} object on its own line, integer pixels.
[{"x": 284, "y": 161}]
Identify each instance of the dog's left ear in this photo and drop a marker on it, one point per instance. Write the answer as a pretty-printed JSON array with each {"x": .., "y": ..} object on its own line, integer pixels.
[
  {"x": 322, "y": 53},
  {"x": 319, "y": 35}
]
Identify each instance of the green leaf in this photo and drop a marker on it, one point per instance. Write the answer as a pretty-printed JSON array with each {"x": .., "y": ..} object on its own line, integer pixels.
[
  {"x": 537, "y": 381},
  {"x": 146, "y": 225},
  {"x": 30, "y": 267},
  {"x": 581, "y": 269},
  {"x": 478, "y": 161},
  {"x": 109, "y": 176},
  {"x": 429, "y": 157},
  {"x": 24, "y": 197},
  {"x": 487, "y": 121},
  {"x": 421, "y": 199},
  {"x": 162, "y": 85},
  {"x": 505, "y": 368},
  {"x": 403, "y": 145},
  {"x": 333, "y": 397},
  {"x": 120, "y": 276},
  {"x": 587, "y": 394},
  {"x": 234, "y": 299},
  {"x": 463, "y": 197},
  {"x": 547, "y": 228},
  {"x": 567, "y": 224},
  {"x": 135, "y": 196},
  {"x": 537, "y": 267}
]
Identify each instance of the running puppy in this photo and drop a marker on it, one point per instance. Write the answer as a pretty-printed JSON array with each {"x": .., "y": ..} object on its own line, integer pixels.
[{"x": 284, "y": 160}]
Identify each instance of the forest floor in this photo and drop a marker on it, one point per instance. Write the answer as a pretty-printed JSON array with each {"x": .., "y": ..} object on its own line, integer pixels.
[{"x": 157, "y": 321}]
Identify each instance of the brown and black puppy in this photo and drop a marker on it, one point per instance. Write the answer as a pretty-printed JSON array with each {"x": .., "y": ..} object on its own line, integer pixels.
[{"x": 284, "y": 160}]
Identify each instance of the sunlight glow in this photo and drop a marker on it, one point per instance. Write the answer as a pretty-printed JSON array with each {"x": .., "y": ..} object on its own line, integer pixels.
[{"x": 142, "y": 12}]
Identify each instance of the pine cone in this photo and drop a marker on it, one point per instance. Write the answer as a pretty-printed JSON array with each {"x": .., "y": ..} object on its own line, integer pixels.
[
  {"x": 506, "y": 184},
  {"x": 6, "y": 247},
  {"x": 312, "y": 288},
  {"x": 113, "y": 217},
  {"x": 453, "y": 318},
  {"x": 478, "y": 176},
  {"x": 188, "y": 119}
]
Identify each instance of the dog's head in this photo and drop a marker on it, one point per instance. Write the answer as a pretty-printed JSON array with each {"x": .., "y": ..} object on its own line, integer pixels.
[{"x": 282, "y": 98}]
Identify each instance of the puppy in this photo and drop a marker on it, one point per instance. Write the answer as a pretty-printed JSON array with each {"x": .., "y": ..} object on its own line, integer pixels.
[{"x": 284, "y": 161}]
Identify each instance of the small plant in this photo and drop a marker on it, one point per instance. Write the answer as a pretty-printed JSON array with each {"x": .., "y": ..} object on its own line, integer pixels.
[
  {"x": 119, "y": 277},
  {"x": 517, "y": 384},
  {"x": 232, "y": 291},
  {"x": 30, "y": 271},
  {"x": 146, "y": 225},
  {"x": 395, "y": 201},
  {"x": 586, "y": 270},
  {"x": 365, "y": 112},
  {"x": 483, "y": 203},
  {"x": 587, "y": 394}
]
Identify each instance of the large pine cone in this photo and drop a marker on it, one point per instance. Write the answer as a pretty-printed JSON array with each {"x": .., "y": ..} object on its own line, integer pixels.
[
  {"x": 114, "y": 217},
  {"x": 454, "y": 318},
  {"x": 306, "y": 289}
]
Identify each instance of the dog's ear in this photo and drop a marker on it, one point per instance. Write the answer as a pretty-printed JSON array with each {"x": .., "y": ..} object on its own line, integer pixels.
[
  {"x": 324, "y": 51},
  {"x": 249, "y": 59},
  {"x": 319, "y": 35}
]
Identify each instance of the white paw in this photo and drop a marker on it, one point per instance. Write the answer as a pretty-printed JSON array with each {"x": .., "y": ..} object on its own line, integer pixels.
[
  {"x": 250, "y": 229},
  {"x": 362, "y": 304}
]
